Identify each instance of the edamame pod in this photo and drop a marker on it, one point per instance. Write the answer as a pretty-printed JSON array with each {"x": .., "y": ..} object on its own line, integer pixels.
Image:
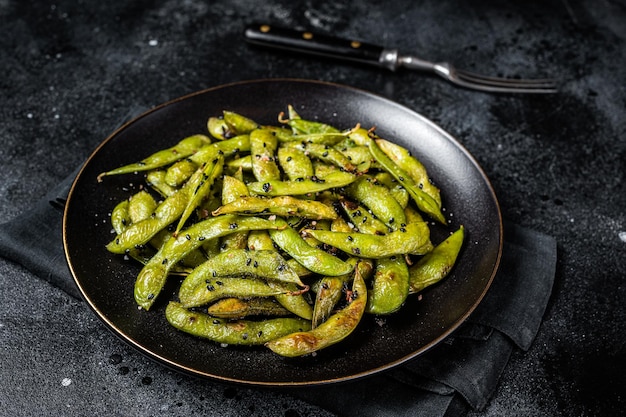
[
  {"x": 153, "y": 275},
  {"x": 211, "y": 289},
  {"x": 301, "y": 187},
  {"x": 413, "y": 239},
  {"x": 179, "y": 172},
  {"x": 314, "y": 259},
  {"x": 335, "y": 329},
  {"x": 411, "y": 165},
  {"x": 282, "y": 205},
  {"x": 237, "y": 308},
  {"x": 295, "y": 163},
  {"x": 241, "y": 332},
  {"x": 199, "y": 187},
  {"x": 263, "y": 146},
  {"x": 390, "y": 286},
  {"x": 378, "y": 199},
  {"x": 423, "y": 200},
  {"x": 182, "y": 149},
  {"x": 238, "y": 123},
  {"x": 324, "y": 153},
  {"x": 434, "y": 266}
]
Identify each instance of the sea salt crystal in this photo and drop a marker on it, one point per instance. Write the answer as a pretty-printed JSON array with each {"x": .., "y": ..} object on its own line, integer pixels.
[
  {"x": 153, "y": 42},
  {"x": 622, "y": 236},
  {"x": 66, "y": 382}
]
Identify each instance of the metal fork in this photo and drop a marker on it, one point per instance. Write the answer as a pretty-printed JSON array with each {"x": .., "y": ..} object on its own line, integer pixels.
[
  {"x": 365, "y": 53},
  {"x": 467, "y": 79}
]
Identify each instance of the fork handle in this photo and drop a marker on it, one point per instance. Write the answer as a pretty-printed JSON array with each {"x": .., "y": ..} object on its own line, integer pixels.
[{"x": 316, "y": 44}]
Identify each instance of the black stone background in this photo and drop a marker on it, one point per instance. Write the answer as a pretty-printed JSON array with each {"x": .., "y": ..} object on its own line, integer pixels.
[{"x": 71, "y": 71}]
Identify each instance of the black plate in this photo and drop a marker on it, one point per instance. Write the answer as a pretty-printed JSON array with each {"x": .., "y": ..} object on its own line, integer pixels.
[{"x": 107, "y": 280}]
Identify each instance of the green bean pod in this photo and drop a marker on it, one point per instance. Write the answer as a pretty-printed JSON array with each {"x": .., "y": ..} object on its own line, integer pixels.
[
  {"x": 182, "y": 149},
  {"x": 338, "y": 326},
  {"x": 312, "y": 258},
  {"x": 232, "y": 190},
  {"x": 153, "y": 275},
  {"x": 436, "y": 265},
  {"x": 241, "y": 332},
  {"x": 390, "y": 286},
  {"x": 238, "y": 308},
  {"x": 413, "y": 239},
  {"x": 301, "y": 187},
  {"x": 282, "y": 205}
]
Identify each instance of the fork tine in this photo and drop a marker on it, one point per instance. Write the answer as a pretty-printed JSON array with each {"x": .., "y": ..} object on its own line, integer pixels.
[
  {"x": 504, "y": 82},
  {"x": 504, "y": 85}
]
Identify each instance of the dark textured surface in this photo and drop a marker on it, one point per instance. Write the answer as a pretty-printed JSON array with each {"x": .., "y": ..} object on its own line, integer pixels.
[{"x": 72, "y": 71}]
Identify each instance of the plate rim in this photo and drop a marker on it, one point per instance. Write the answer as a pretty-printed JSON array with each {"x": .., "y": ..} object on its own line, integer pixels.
[{"x": 111, "y": 326}]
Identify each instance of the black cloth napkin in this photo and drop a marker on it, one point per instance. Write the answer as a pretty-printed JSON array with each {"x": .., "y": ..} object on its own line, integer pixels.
[{"x": 458, "y": 375}]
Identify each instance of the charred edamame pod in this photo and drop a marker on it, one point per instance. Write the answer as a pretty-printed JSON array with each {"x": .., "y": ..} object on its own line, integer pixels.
[
  {"x": 241, "y": 332},
  {"x": 335, "y": 329},
  {"x": 434, "y": 266}
]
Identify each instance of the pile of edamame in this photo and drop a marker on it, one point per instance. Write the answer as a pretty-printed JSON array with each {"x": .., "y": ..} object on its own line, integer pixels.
[{"x": 286, "y": 235}]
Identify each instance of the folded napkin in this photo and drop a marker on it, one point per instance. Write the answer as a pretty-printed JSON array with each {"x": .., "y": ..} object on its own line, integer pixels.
[{"x": 456, "y": 376}]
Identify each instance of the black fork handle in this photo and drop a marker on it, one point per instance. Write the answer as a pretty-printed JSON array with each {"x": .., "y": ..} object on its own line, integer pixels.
[{"x": 314, "y": 44}]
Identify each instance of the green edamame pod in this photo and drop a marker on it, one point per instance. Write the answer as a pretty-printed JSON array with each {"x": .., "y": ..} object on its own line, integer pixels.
[
  {"x": 397, "y": 190},
  {"x": 282, "y": 205},
  {"x": 141, "y": 205},
  {"x": 153, "y": 275},
  {"x": 412, "y": 166},
  {"x": 200, "y": 186},
  {"x": 119, "y": 217},
  {"x": 229, "y": 147},
  {"x": 378, "y": 199},
  {"x": 362, "y": 220},
  {"x": 141, "y": 232},
  {"x": 211, "y": 289},
  {"x": 156, "y": 180},
  {"x": 330, "y": 289},
  {"x": 314, "y": 259},
  {"x": 335, "y": 329},
  {"x": 263, "y": 147},
  {"x": 237, "y": 308},
  {"x": 218, "y": 128},
  {"x": 244, "y": 163},
  {"x": 179, "y": 172},
  {"x": 423, "y": 200},
  {"x": 324, "y": 153},
  {"x": 295, "y": 163},
  {"x": 436, "y": 265},
  {"x": 301, "y": 187},
  {"x": 238, "y": 123},
  {"x": 182, "y": 149},
  {"x": 390, "y": 286},
  {"x": 241, "y": 332},
  {"x": 413, "y": 239},
  {"x": 232, "y": 190}
]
